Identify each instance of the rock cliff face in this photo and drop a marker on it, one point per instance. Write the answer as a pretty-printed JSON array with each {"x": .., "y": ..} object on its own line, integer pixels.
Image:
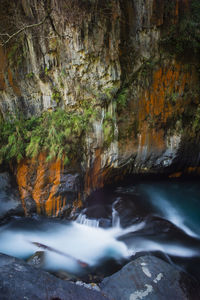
[{"x": 118, "y": 56}]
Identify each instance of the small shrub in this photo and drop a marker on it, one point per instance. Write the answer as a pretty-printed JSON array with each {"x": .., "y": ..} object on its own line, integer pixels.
[
  {"x": 56, "y": 95},
  {"x": 108, "y": 129},
  {"x": 196, "y": 122},
  {"x": 58, "y": 133},
  {"x": 122, "y": 99},
  {"x": 30, "y": 75}
]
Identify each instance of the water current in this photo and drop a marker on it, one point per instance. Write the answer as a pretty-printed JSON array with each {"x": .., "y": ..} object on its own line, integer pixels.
[{"x": 118, "y": 224}]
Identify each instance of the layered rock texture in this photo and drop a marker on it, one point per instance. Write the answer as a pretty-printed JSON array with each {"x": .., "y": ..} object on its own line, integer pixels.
[{"x": 130, "y": 62}]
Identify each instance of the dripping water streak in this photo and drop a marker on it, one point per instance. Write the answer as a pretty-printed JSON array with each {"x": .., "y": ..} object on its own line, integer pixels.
[{"x": 115, "y": 215}]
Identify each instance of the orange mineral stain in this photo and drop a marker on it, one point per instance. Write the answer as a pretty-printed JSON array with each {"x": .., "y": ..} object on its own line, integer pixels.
[
  {"x": 40, "y": 181},
  {"x": 22, "y": 174},
  {"x": 192, "y": 170},
  {"x": 39, "y": 187},
  {"x": 53, "y": 202},
  {"x": 175, "y": 175},
  {"x": 163, "y": 101},
  {"x": 164, "y": 96}
]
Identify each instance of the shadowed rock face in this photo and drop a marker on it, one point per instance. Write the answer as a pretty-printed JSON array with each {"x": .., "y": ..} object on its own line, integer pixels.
[
  {"x": 10, "y": 203},
  {"x": 18, "y": 280},
  {"x": 101, "y": 51},
  {"x": 150, "y": 278}
]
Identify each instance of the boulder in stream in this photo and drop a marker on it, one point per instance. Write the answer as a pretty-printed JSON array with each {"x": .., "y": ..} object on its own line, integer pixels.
[
  {"x": 37, "y": 259},
  {"x": 150, "y": 278}
]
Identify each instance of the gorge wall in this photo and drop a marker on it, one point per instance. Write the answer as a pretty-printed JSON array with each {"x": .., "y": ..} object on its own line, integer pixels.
[{"x": 134, "y": 63}]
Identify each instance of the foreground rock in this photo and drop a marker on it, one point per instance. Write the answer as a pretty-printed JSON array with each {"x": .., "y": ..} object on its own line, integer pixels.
[
  {"x": 150, "y": 278},
  {"x": 18, "y": 280}
]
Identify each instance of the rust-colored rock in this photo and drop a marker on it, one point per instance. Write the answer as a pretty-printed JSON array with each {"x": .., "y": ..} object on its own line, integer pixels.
[
  {"x": 40, "y": 181},
  {"x": 47, "y": 187}
]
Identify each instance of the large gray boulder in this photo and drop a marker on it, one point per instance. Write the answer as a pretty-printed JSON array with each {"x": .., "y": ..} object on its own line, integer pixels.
[
  {"x": 150, "y": 278},
  {"x": 19, "y": 280}
]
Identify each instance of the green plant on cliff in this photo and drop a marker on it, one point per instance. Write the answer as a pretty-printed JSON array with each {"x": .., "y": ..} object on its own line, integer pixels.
[
  {"x": 56, "y": 95},
  {"x": 122, "y": 99},
  {"x": 58, "y": 133},
  {"x": 107, "y": 95},
  {"x": 196, "y": 122},
  {"x": 184, "y": 37},
  {"x": 30, "y": 75},
  {"x": 108, "y": 129},
  {"x": 13, "y": 137}
]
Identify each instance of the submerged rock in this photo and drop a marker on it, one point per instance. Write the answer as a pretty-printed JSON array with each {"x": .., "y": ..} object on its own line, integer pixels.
[
  {"x": 37, "y": 259},
  {"x": 18, "y": 280},
  {"x": 150, "y": 278}
]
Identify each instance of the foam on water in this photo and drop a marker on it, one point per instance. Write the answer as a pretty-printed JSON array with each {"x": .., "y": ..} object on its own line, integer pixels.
[
  {"x": 173, "y": 249},
  {"x": 171, "y": 211},
  {"x": 88, "y": 244},
  {"x": 83, "y": 219},
  {"x": 84, "y": 240}
]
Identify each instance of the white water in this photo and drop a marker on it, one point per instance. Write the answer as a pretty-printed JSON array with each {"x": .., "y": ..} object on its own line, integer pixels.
[
  {"x": 172, "y": 214},
  {"x": 88, "y": 244},
  {"x": 173, "y": 210},
  {"x": 115, "y": 216},
  {"x": 173, "y": 249},
  {"x": 82, "y": 219},
  {"x": 84, "y": 240}
]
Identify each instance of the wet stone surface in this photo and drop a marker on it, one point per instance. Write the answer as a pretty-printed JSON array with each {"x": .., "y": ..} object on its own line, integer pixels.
[
  {"x": 150, "y": 278},
  {"x": 19, "y": 280}
]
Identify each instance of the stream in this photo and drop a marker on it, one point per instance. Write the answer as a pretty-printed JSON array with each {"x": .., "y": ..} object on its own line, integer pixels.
[{"x": 117, "y": 224}]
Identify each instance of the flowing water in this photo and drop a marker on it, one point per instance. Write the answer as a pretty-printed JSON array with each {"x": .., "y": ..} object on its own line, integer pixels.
[{"x": 118, "y": 224}]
